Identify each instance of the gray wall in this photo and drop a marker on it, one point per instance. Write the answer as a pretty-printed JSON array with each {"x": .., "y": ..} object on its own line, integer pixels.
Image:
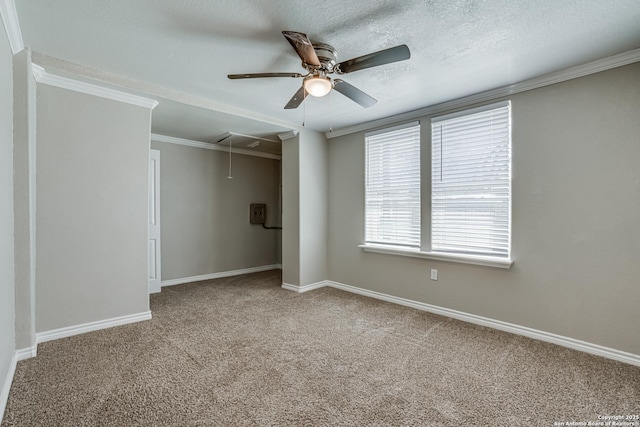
[
  {"x": 204, "y": 216},
  {"x": 7, "y": 282},
  {"x": 305, "y": 198},
  {"x": 291, "y": 211},
  {"x": 92, "y": 184},
  {"x": 576, "y": 210},
  {"x": 313, "y": 207}
]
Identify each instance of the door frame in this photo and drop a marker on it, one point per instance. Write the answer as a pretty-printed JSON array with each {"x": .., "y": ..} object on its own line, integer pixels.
[{"x": 154, "y": 267}]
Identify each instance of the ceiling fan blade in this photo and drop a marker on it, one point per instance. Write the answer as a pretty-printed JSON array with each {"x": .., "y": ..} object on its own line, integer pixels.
[
  {"x": 382, "y": 57},
  {"x": 354, "y": 93},
  {"x": 261, "y": 75},
  {"x": 296, "y": 99},
  {"x": 302, "y": 46}
]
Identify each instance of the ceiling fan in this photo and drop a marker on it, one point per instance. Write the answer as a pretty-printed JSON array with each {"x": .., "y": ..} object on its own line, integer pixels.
[{"x": 319, "y": 60}]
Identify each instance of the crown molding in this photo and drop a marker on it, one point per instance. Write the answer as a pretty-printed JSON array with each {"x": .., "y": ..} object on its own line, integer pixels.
[
  {"x": 152, "y": 90},
  {"x": 38, "y": 72},
  {"x": 42, "y": 76},
  {"x": 593, "y": 67},
  {"x": 288, "y": 135},
  {"x": 11, "y": 25},
  {"x": 212, "y": 146}
]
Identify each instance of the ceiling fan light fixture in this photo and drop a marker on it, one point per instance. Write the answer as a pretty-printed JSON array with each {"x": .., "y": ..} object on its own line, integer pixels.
[
  {"x": 317, "y": 86},
  {"x": 320, "y": 60}
]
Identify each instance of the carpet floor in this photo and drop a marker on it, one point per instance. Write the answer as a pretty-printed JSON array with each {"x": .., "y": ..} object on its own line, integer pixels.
[{"x": 241, "y": 351}]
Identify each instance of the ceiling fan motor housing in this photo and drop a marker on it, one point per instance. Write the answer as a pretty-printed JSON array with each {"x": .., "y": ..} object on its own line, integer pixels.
[{"x": 327, "y": 56}]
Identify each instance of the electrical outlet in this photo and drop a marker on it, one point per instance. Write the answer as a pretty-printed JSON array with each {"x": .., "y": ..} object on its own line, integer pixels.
[
  {"x": 257, "y": 213},
  {"x": 434, "y": 274}
]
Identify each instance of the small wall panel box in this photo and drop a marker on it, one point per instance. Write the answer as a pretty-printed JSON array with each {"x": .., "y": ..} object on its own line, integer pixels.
[{"x": 257, "y": 213}]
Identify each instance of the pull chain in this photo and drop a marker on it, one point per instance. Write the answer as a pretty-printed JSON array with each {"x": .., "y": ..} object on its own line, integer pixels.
[
  {"x": 331, "y": 111},
  {"x": 230, "y": 143},
  {"x": 304, "y": 105}
]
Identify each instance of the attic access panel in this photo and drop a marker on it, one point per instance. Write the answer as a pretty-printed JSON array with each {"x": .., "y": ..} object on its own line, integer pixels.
[{"x": 266, "y": 144}]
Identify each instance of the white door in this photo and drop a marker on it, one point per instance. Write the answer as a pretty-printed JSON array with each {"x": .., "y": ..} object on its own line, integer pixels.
[{"x": 154, "y": 221}]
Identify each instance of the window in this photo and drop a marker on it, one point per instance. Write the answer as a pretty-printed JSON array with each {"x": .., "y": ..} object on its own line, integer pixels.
[
  {"x": 471, "y": 182},
  {"x": 392, "y": 181}
]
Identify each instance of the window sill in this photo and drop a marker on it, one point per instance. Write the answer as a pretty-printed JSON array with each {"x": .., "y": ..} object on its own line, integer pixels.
[{"x": 440, "y": 256}]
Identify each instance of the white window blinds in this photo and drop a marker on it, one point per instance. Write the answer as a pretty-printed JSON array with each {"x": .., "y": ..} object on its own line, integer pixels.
[
  {"x": 471, "y": 182},
  {"x": 392, "y": 194}
]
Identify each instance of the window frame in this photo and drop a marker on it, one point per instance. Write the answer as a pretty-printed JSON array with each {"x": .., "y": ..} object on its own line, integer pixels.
[
  {"x": 409, "y": 237},
  {"x": 425, "y": 251},
  {"x": 495, "y": 219}
]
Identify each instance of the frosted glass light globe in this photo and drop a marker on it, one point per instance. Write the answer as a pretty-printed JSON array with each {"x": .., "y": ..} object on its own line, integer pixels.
[{"x": 317, "y": 86}]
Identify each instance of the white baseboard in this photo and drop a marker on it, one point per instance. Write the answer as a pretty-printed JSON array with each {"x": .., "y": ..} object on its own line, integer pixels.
[
  {"x": 6, "y": 386},
  {"x": 304, "y": 288},
  {"x": 598, "y": 350},
  {"x": 19, "y": 355},
  {"x": 219, "y": 275},
  {"x": 91, "y": 326},
  {"x": 26, "y": 353}
]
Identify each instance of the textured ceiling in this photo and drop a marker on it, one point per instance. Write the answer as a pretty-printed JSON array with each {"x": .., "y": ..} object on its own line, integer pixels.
[{"x": 183, "y": 50}]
